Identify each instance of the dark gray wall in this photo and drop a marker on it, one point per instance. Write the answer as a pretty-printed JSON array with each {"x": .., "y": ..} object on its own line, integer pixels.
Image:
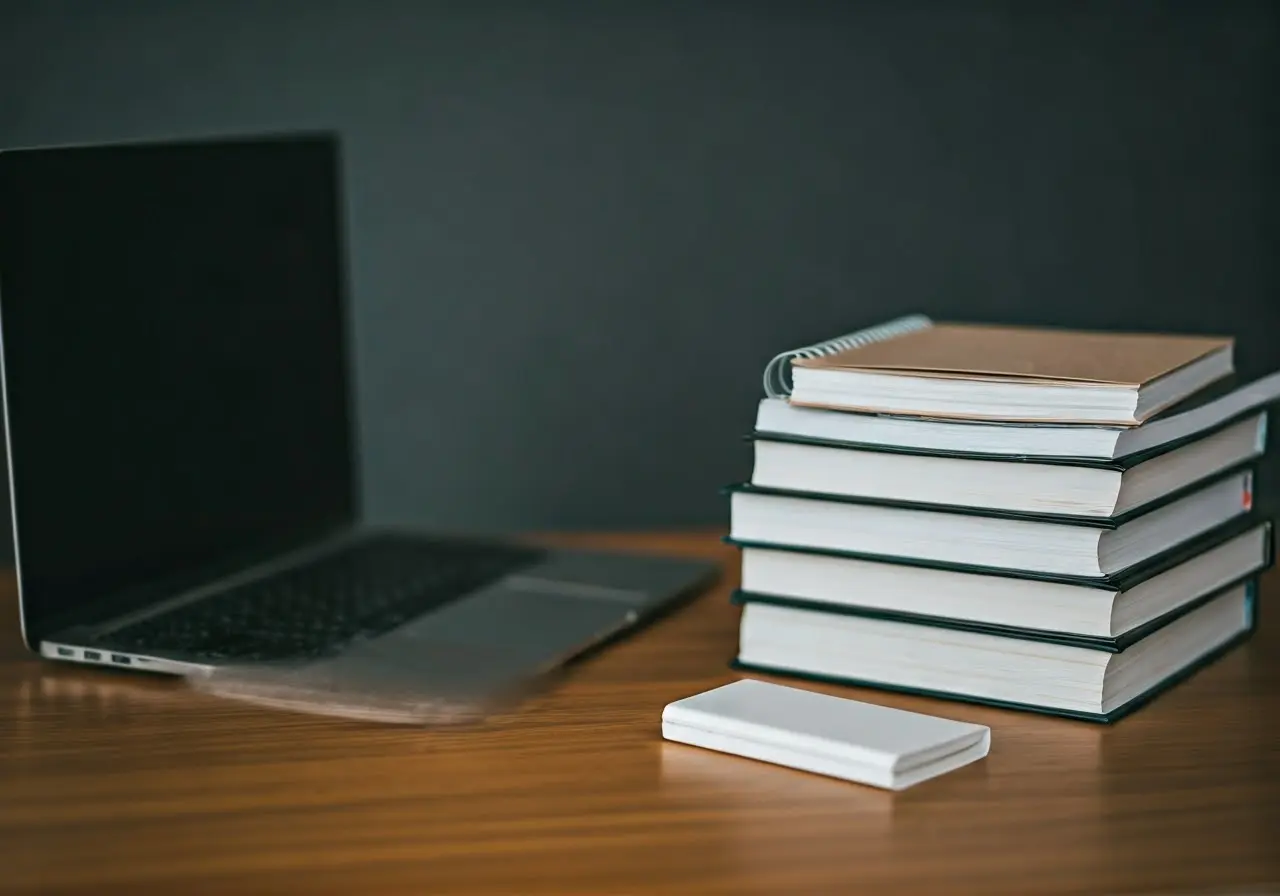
[{"x": 578, "y": 233}]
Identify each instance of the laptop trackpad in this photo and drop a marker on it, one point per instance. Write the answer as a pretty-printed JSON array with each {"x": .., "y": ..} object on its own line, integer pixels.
[
  {"x": 456, "y": 664},
  {"x": 507, "y": 628}
]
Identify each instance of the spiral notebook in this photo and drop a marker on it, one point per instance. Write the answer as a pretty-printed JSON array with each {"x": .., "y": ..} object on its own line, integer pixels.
[
  {"x": 1208, "y": 411},
  {"x": 915, "y": 366}
]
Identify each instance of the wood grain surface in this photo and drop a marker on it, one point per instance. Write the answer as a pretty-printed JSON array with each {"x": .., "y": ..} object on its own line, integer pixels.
[{"x": 111, "y": 782}]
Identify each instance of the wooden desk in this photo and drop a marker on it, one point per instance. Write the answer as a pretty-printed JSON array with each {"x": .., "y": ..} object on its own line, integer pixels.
[{"x": 111, "y": 783}]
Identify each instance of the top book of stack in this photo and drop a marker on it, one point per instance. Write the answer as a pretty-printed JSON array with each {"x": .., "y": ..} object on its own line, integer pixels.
[{"x": 1013, "y": 374}]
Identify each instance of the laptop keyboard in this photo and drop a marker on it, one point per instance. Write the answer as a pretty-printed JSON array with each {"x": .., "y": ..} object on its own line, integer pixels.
[{"x": 367, "y": 589}]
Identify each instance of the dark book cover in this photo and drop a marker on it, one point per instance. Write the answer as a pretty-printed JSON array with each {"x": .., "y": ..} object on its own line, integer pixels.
[
  {"x": 1116, "y": 581},
  {"x": 1251, "y": 611},
  {"x": 1119, "y": 464},
  {"x": 1111, "y": 522},
  {"x": 1067, "y": 639}
]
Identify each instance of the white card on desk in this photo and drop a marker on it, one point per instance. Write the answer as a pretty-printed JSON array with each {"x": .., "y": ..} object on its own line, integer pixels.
[{"x": 863, "y": 742}]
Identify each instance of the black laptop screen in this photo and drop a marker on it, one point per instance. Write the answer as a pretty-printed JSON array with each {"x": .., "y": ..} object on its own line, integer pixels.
[{"x": 174, "y": 360}]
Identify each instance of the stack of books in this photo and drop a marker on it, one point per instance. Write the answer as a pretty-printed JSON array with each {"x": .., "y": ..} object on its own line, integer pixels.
[{"x": 1051, "y": 520}]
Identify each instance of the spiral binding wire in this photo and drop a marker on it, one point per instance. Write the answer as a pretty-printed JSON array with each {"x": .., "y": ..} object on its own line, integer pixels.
[{"x": 775, "y": 374}]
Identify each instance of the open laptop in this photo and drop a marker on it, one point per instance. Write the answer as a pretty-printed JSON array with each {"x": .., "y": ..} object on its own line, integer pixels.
[{"x": 182, "y": 464}]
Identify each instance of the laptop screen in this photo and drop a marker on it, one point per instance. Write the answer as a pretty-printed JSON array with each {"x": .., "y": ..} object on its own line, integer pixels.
[{"x": 175, "y": 366}]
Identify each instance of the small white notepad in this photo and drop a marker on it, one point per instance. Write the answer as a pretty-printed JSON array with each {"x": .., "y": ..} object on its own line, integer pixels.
[{"x": 876, "y": 745}]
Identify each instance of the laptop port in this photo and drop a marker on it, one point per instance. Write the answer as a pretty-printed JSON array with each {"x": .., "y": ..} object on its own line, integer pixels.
[
  {"x": 92, "y": 655},
  {"x": 121, "y": 659},
  {"x": 66, "y": 651}
]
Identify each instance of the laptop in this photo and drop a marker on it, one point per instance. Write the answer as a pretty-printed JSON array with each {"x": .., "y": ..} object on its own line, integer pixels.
[{"x": 183, "y": 469}]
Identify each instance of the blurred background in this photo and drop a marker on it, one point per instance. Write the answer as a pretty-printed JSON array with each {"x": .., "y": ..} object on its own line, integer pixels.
[{"x": 578, "y": 231}]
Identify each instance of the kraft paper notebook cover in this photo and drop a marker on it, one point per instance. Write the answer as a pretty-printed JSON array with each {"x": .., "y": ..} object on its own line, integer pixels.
[
  {"x": 979, "y": 371},
  {"x": 1025, "y": 353}
]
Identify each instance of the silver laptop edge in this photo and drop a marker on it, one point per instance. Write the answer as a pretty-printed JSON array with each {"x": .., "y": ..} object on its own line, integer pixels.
[
  {"x": 13, "y": 500},
  {"x": 567, "y": 592}
]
